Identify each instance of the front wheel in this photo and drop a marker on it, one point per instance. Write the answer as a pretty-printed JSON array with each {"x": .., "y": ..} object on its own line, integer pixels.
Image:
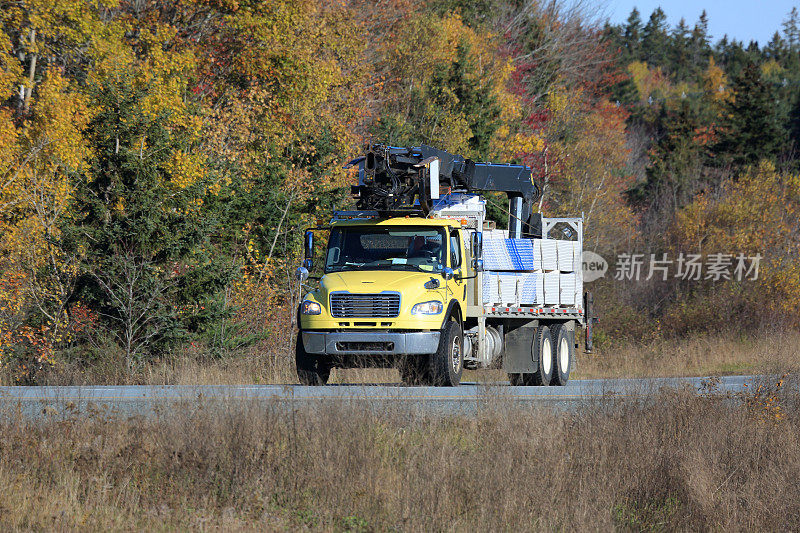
[
  {"x": 447, "y": 364},
  {"x": 311, "y": 369}
]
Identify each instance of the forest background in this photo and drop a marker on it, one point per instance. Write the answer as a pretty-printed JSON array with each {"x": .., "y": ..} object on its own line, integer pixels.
[{"x": 159, "y": 160}]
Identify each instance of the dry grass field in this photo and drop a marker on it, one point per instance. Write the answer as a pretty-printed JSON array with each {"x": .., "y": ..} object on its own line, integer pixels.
[
  {"x": 676, "y": 461},
  {"x": 699, "y": 355}
]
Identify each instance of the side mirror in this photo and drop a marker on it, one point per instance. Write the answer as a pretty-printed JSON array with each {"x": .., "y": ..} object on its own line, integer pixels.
[
  {"x": 308, "y": 248},
  {"x": 447, "y": 273},
  {"x": 301, "y": 273},
  {"x": 476, "y": 243}
]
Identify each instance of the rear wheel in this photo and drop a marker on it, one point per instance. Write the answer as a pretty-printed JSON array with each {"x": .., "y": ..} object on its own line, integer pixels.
[
  {"x": 447, "y": 364},
  {"x": 543, "y": 355},
  {"x": 311, "y": 369},
  {"x": 564, "y": 349}
]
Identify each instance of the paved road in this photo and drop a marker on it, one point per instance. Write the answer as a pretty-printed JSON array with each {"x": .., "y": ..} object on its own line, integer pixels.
[{"x": 467, "y": 397}]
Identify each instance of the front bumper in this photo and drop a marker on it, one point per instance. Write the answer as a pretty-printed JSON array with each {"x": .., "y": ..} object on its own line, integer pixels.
[{"x": 369, "y": 343}]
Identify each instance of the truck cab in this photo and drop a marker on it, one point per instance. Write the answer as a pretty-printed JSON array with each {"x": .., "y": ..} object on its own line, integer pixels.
[{"x": 393, "y": 293}]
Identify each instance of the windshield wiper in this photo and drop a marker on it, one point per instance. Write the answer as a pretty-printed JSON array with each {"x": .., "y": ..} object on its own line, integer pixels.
[{"x": 374, "y": 265}]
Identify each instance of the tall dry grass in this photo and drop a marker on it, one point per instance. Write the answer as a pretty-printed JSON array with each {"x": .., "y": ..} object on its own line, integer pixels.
[
  {"x": 675, "y": 461},
  {"x": 695, "y": 355},
  {"x": 272, "y": 362}
]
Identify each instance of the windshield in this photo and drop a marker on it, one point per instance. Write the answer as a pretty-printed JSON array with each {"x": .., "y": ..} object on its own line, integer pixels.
[{"x": 387, "y": 248}]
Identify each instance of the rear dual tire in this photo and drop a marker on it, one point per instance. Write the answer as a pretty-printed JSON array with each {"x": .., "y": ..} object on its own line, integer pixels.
[
  {"x": 552, "y": 350},
  {"x": 564, "y": 352}
]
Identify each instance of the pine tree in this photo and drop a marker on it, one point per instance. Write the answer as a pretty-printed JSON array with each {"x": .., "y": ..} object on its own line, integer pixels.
[
  {"x": 754, "y": 130},
  {"x": 700, "y": 48},
  {"x": 147, "y": 267},
  {"x": 680, "y": 52},
  {"x": 632, "y": 36},
  {"x": 791, "y": 29},
  {"x": 655, "y": 39}
]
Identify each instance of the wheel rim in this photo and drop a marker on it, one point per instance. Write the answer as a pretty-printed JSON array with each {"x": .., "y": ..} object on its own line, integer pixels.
[
  {"x": 455, "y": 354},
  {"x": 563, "y": 356},
  {"x": 547, "y": 356}
]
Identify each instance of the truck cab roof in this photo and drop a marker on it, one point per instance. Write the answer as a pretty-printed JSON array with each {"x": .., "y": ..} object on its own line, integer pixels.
[{"x": 395, "y": 221}]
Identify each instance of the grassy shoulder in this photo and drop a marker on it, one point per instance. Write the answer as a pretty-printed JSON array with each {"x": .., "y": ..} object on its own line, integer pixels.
[
  {"x": 677, "y": 461},
  {"x": 273, "y": 363},
  {"x": 696, "y": 355}
]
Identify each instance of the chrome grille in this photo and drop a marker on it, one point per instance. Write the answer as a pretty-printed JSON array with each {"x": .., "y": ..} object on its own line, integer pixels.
[{"x": 346, "y": 305}]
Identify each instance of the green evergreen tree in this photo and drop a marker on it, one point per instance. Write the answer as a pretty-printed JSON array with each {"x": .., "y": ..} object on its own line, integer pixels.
[
  {"x": 632, "y": 36},
  {"x": 754, "y": 129},
  {"x": 148, "y": 266},
  {"x": 680, "y": 53},
  {"x": 655, "y": 39},
  {"x": 731, "y": 56},
  {"x": 791, "y": 30},
  {"x": 676, "y": 160},
  {"x": 699, "y": 45}
]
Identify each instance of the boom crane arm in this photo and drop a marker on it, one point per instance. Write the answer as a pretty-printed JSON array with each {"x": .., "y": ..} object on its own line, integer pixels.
[{"x": 392, "y": 178}]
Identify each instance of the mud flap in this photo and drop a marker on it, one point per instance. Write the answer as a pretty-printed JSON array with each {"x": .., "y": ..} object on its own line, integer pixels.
[{"x": 518, "y": 351}]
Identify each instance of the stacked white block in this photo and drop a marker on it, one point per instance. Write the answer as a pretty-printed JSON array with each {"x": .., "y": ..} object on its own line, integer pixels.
[
  {"x": 579, "y": 289},
  {"x": 510, "y": 288},
  {"x": 567, "y": 288},
  {"x": 565, "y": 255},
  {"x": 552, "y": 292},
  {"x": 549, "y": 253},
  {"x": 577, "y": 257},
  {"x": 496, "y": 256},
  {"x": 510, "y": 254}
]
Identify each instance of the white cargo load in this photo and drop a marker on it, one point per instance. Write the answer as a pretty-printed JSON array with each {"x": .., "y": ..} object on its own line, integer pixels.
[
  {"x": 549, "y": 251},
  {"x": 541, "y": 272},
  {"x": 511, "y": 288}
]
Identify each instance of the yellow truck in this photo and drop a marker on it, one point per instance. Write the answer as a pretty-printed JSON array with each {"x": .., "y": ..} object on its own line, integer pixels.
[{"x": 418, "y": 279}]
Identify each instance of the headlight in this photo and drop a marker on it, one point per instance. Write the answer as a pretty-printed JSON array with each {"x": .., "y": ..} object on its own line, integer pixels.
[
  {"x": 427, "y": 308},
  {"x": 310, "y": 308}
]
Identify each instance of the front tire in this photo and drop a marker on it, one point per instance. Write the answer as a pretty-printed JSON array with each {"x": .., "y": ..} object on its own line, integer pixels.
[
  {"x": 447, "y": 364},
  {"x": 312, "y": 370}
]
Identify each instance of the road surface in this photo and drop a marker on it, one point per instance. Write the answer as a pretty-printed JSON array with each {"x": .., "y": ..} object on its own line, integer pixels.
[{"x": 468, "y": 397}]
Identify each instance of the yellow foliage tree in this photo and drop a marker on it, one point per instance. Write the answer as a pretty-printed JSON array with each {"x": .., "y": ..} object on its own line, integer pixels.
[{"x": 758, "y": 215}]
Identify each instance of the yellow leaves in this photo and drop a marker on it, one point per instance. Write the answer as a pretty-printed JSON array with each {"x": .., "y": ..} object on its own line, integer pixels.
[
  {"x": 649, "y": 82},
  {"x": 60, "y": 117},
  {"x": 522, "y": 143},
  {"x": 764, "y": 401},
  {"x": 759, "y": 213},
  {"x": 771, "y": 69},
  {"x": 10, "y": 68},
  {"x": 186, "y": 169},
  {"x": 715, "y": 84}
]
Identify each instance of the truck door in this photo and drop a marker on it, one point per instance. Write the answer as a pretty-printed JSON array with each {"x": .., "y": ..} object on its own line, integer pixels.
[{"x": 457, "y": 286}]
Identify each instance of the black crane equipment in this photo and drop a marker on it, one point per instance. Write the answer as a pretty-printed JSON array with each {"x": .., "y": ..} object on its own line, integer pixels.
[{"x": 392, "y": 178}]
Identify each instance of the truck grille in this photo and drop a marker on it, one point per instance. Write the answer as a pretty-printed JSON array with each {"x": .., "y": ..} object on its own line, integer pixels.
[{"x": 346, "y": 305}]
